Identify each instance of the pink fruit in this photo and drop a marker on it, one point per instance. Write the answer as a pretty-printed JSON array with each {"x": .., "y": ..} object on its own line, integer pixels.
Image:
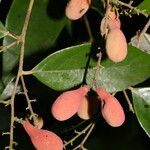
[
  {"x": 111, "y": 109},
  {"x": 102, "y": 93},
  {"x": 43, "y": 139},
  {"x": 116, "y": 45},
  {"x": 75, "y": 9},
  {"x": 67, "y": 104},
  {"x": 87, "y": 108},
  {"x": 110, "y": 22},
  {"x": 114, "y": 23}
]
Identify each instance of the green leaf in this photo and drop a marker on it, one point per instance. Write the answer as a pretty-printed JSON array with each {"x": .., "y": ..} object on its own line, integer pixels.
[
  {"x": 119, "y": 76},
  {"x": 65, "y": 69},
  {"x": 42, "y": 32},
  {"x": 141, "y": 101},
  {"x": 8, "y": 90},
  {"x": 1, "y": 87},
  {"x": 3, "y": 30},
  {"x": 145, "y": 6}
]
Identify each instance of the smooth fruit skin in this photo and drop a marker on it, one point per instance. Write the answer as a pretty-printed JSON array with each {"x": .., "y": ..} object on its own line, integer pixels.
[
  {"x": 67, "y": 104},
  {"x": 75, "y": 9},
  {"x": 116, "y": 45},
  {"x": 114, "y": 23},
  {"x": 87, "y": 108},
  {"x": 102, "y": 93},
  {"x": 43, "y": 139},
  {"x": 111, "y": 109}
]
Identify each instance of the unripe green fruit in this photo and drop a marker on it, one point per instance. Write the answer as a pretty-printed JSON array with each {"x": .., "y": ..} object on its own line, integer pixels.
[
  {"x": 111, "y": 109},
  {"x": 67, "y": 104},
  {"x": 87, "y": 108},
  {"x": 43, "y": 139},
  {"x": 116, "y": 45},
  {"x": 75, "y": 9}
]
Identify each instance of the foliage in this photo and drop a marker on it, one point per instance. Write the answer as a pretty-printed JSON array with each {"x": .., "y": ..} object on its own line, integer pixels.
[{"x": 43, "y": 54}]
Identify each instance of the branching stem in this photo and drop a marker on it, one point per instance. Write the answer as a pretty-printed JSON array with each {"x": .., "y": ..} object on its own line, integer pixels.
[
  {"x": 81, "y": 145},
  {"x": 21, "y": 58},
  {"x": 131, "y": 7},
  {"x": 78, "y": 135},
  {"x": 3, "y": 48}
]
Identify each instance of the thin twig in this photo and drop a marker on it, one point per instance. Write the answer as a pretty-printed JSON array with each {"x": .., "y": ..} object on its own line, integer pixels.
[
  {"x": 78, "y": 135},
  {"x": 13, "y": 36},
  {"x": 131, "y": 7},
  {"x": 7, "y": 33},
  {"x": 91, "y": 38},
  {"x": 128, "y": 101},
  {"x": 87, "y": 135},
  {"x": 143, "y": 32},
  {"x": 22, "y": 44},
  {"x": 33, "y": 115},
  {"x": 27, "y": 72},
  {"x": 3, "y": 48},
  {"x": 13, "y": 113},
  {"x": 6, "y": 103}
]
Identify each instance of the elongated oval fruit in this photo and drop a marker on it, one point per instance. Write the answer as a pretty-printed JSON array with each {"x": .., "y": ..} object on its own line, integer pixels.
[
  {"x": 87, "y": 108},
  {"x": 75, "y": 9},
  {"x": 67, "y": 104},
  {"x": 116, "y": 45},
  {"x": 43, "y": 139},
  {"x": 111, "y": 109}
]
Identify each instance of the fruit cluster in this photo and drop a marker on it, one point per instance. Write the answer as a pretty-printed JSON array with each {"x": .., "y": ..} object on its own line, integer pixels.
[
  {"x": 75, "y": 101},
  {"x": 70, "y": 103}
]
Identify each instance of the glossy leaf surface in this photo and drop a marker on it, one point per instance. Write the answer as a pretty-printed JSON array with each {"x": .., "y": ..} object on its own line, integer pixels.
[
  {"x": 3, "y": 31},
  {"x": 65, "y": 69},
  {"x": 141, "y": 101}
]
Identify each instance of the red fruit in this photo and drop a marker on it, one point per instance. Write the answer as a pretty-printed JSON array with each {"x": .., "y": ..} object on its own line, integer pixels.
[
  {"x": 77, "y": 8},
  {"x": 116, "y": 45},
  {"x": 67, "y": 104},
  {"x": 111, "y": 109},
  {"x": 43, "y": 139},
  {"x": 87, "y": 108}
]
